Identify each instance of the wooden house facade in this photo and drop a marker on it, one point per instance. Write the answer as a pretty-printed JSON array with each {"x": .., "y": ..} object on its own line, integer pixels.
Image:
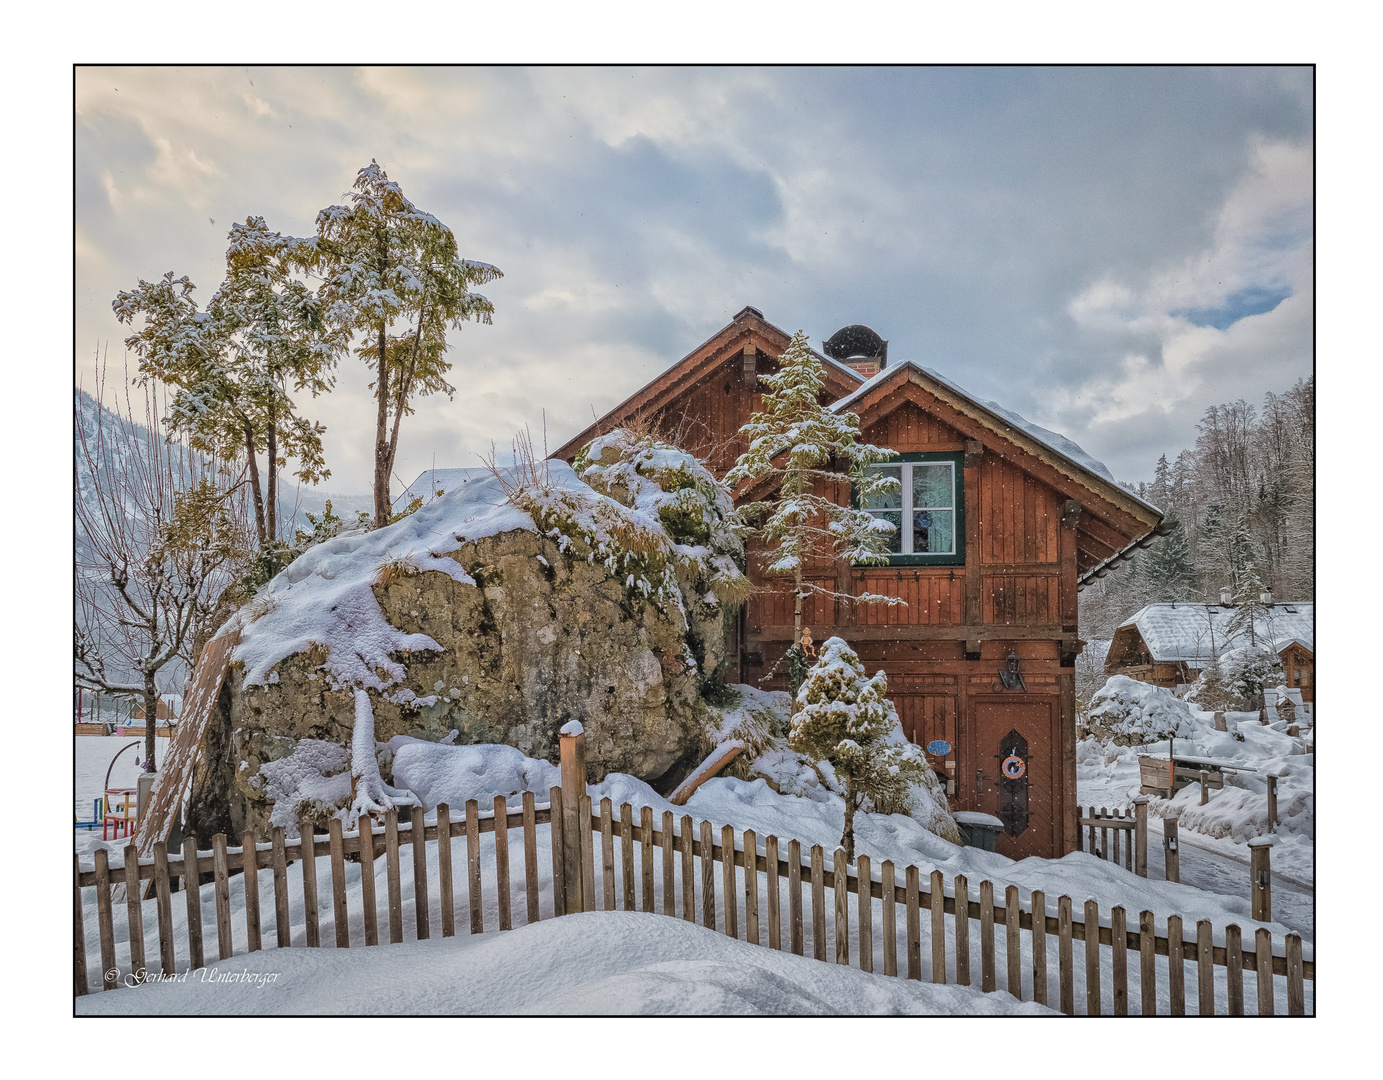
[{"x": 1005, "y": 520}]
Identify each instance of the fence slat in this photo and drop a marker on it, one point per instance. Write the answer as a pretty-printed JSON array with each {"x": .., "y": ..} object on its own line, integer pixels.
[
  {"x": 585, "y": 827},
  {"x": 1263, "y": 958},
  {"x": 751, "y": 887},
  {"x": 669, "y": 867},
  {"x": 1234, "y": 969},
  {"x": 1147, "y": 963},
  {"x": 447, "y": 895},
  {"x": 775, "y": 899},
  {"x": 865, "y": 912},
  {"x": 307, "y": 846},
  {"x": 192, "y": 886},
  {"x": 708, "y": 877},
  {"x": 1176, "y": 967},
  {"x": 134, "y": 909},
  {"x": 937, "y": 896},
  {"x": 249, "y": 868},
  {"x": 988, "y": 976},
  {"x": 818, "y": 903},
  {"x": 1039, "y": 946},
  {"x": 1013, "y": 948},
  {"x": 366, "y": 847},
  {"x": 1092, "y": 958},
  {"x": 473, "y": 866},
  {"x": 607, "y": 853},
  {"x": 393, "y": 875},
  {"x": 282, "y": 930},
  {"x": 688, "y": 871},
  {"x": 962, "y": 931},
  {"x": 163, "y": 905},
  {"x": 1205, "y": 969},
  {"x": 416, "y": 836},
  {"x": 626, "y": 851},
  {"x": 79, "y": 975},
  {"x": 795, "y": 897},
  {"x": 889, "y": 914},
  {"x": 727, "y": 865},
  {"x": 911, "y": 899},
  {"x": 841, "y": 895},
  {"x": 1118, "y": 920},
  {"x": 1296, "y": 992},
  {"x": 530, "y": 858},
  {"x": 560, "y": 839},
  {"x": 1066, "y": 962},
  {"x": 646, "y": 856},
  {"x": 220, "y": 867},
  {"x": 105, "y": 923},
  {"x": 501, "y": 808},
  {"x": 338, "y": 884}
]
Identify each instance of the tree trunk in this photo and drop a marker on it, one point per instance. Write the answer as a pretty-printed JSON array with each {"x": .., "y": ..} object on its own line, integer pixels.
[
  {"x": 150, "y": 720},
  {"x": 847, "y": 838},
  {"x": 797, "y": 602},
  {"x": 382, "y": 508},
  {"x": 255, "y": 495},
  {"x": 405, "y": 387},
  {"x": 273, "y": 486}
]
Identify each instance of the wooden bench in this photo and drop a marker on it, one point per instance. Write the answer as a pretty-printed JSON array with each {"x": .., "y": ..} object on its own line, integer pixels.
[{"x": 1165, "y": 776}]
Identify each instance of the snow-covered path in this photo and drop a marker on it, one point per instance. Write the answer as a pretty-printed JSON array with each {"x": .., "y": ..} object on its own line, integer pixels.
[{"x": 1207, "y": 865}]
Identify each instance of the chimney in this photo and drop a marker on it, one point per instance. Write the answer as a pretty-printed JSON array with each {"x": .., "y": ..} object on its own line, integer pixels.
[
  {"x": 1266, "y": 596},
  {"x": 859, "y": 347},
  {"x": 1226, "y": 596}
]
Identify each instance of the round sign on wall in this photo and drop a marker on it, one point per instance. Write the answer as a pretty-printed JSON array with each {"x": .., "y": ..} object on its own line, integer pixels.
[
  {"x": 1013, "y": 767},
  {"x": 939, "y": 747}
]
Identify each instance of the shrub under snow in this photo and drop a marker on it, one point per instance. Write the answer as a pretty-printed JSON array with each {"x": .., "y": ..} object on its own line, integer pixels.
[{"x": 1130, "y": 713}]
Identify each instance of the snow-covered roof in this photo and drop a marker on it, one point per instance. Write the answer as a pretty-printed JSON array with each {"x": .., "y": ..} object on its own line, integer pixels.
[
  {"x": 430, "y": 481},
  {"x": 1052, "y": 440},
  {"x": 1184, "y": 632}
]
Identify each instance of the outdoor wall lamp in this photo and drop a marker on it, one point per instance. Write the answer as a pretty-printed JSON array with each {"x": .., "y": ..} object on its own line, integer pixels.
[{"x": 1010, "y": 676}]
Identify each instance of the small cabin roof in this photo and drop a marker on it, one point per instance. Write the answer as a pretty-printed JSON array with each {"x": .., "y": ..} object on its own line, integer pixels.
[{"x": 1182, "y": 632}]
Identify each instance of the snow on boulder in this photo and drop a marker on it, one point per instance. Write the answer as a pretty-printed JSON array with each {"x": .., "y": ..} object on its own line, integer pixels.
[
  {"x": 1127, "y": 712},
  {"x": 436, "y": 773}
]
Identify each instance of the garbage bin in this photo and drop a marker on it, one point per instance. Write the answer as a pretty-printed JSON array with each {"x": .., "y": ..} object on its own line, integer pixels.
[{"x": 978, "y": 830}]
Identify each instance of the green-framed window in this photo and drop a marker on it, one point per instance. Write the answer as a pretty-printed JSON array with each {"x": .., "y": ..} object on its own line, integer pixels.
[{"x": 928, "y": 510}]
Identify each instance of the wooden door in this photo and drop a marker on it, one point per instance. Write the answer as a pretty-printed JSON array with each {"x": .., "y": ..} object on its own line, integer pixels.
[{"x": 1009, "y": 731}]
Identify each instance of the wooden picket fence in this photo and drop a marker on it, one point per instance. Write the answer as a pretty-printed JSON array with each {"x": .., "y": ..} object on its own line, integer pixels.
[{"x": 693, "y": 848}]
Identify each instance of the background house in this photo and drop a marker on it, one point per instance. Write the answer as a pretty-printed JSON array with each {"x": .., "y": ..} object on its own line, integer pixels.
[
  {"x": 1169, "y": 644},
  {"x": 1002, "y": 520}
]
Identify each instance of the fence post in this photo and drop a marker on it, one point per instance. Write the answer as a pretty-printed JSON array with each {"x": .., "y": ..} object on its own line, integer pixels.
[
  {"x": 1169, "y": 845},
  {"x": 573, "y": 776},
  {"x": 1205, "y": 786},
  {"x": 1260, "y": 872},
  {"x": 1272, "y": 802},
  {"x": 1140, "y": 836}
]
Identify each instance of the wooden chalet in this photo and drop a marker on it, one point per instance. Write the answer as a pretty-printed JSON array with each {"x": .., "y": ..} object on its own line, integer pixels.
[
  {"x": 1168, "y": 644},
  {"x": 1009, "y": 520}
]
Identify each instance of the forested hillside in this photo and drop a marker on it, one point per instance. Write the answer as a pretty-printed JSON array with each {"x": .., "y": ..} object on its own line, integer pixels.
[{"x": 1244, "y": 499}]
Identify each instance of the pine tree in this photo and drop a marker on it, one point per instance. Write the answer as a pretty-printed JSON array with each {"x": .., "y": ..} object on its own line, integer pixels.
[
  {"x": 1251, "y": 611},
  {"x": 804, "y": 446},
  {"x": 1167, "y": 570},
  {"x": 849, "y": 722},
  {"x": 391, "y": 274}
]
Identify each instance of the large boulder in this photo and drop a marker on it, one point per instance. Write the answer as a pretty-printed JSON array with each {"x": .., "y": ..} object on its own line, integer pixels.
[{"x": 494, "y": 614}]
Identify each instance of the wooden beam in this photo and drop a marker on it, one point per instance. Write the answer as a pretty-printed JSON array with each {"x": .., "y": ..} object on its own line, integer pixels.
[
  {"x": 1066, "y": 544},
  {"x": 951, "y": 632},
  {"x": 974, "y": 457}
]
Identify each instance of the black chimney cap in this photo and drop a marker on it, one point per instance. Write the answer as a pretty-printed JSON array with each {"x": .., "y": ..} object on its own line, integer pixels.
[{"x": 853, "y": 341}]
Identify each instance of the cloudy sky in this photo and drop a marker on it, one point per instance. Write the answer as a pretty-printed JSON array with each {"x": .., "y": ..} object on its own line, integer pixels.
[{"x": 1108, "y": 251}]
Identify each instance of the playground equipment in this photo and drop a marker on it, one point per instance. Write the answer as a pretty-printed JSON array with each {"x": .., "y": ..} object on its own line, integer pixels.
[
  {"x": 95, "y": 822},
  {"x": 119, "y": 816}
]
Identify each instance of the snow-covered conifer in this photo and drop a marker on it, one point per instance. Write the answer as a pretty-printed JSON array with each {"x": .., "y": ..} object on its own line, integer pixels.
[
  {"x": 804, "y": 446},
  {"x": 848, "y": 721}
]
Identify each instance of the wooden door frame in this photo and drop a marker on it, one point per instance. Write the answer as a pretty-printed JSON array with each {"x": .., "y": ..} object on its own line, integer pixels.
[{"x": 970, "y": 744}]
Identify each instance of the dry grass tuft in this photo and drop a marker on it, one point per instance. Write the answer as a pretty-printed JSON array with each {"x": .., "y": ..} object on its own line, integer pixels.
[{"x": 394, "y": 570}]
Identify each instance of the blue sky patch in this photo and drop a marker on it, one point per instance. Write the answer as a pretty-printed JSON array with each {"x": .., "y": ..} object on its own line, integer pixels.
[{"x": 1255, "y": 300}]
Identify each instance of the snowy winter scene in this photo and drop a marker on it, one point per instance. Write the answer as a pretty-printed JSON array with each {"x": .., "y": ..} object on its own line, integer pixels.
[{"x": 687, "y": 541}]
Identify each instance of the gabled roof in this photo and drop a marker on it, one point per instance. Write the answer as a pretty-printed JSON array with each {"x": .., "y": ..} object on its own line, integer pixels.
[
  {"x": 1184, "y": 632},
  {"x": 748, "y": 327}
]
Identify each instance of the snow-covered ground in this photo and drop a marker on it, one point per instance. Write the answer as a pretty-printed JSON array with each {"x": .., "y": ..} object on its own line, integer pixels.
[
  {"x": 605, "y": 963},
  {"x": 458, "y": 773}
]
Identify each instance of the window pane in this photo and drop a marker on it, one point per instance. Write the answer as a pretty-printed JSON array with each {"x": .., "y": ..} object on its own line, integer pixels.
[
  {"x": 931, "y": 485},
  {"x": 894, "y": 539},
  {"x": 933, "y": 531},
  {"x": 887, "y": 500}
]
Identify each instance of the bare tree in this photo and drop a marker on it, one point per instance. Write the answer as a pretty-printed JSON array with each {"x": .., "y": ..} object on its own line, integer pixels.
[{"x": 160, "y": 531}]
